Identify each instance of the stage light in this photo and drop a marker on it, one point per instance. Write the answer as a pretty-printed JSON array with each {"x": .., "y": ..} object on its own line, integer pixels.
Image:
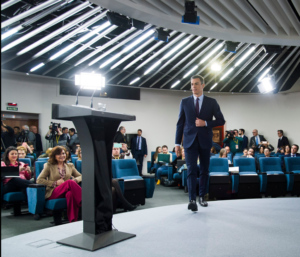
[
  {"x": 244, "y": 56},
  {"x": 190, "y": 15},
  {"x": 175, "y": 84},
  {"x": 227, "y": 73},
  {"x": 194, "y": 68},
  {"x": 118, "y": 20},
  {"x": 271, "y": 49},
  {"x": 264, "y": 74},
  {"x": 211, "y": 53},
  {"x": 216, "y": 66},
  {"x": 161, "y": 35},
  {"x": 90, "y": 81},
  {"x": 37, "y": 67},
  {"x": 135, "y": 80},
  {"x": 138, "y": 24},
  {"x": 152, "y": 67},
  {"x": 213, "y": 86},
  {"x": 231, "y": 46},
  {"x": 266, "y": 85}
]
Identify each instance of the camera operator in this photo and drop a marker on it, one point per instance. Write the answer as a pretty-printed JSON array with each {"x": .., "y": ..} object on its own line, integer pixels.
[
  {"x": 56, "y": 135},
  {"x": 7, "y": 136},
  {"x": 73, "y": 140},
  {"x": 26, "y": 135},
  {"x": 234, "y": 141}
]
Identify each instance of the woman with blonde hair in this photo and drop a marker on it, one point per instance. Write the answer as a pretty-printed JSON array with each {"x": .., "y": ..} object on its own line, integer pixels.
[
  {"x": 47, "y": 154},
  {"x": 223, "y": 154}
]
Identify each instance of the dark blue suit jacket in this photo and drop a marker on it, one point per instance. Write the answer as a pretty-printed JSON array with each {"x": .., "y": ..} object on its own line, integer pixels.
[
  {"x": 245, "y": 142},
  {"x": 143, "y": 146},
  {"x": 186, "y": 122}
]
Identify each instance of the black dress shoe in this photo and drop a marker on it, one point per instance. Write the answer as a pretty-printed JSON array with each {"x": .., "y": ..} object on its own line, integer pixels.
[
  {"x": 193, "y": 206},
  {"x": 202, "y": 201}
]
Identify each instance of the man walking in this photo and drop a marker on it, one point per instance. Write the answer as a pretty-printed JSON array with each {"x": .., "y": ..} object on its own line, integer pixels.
[{"x": 195, "y": 123}]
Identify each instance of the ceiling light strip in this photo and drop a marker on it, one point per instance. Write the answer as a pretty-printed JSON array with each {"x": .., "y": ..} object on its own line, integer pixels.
[
  {"x": 59, "y": 31},
  {"x": 28, "y": 13},
  {"x": 8, "y": 4},
  {"x": 45, "y": 26},
  {"x": 288, "y": 76}
]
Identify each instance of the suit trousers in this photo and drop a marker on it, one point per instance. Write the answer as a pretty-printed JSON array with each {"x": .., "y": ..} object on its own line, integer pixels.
[
  {"x": 72, "y": 192},
  {"x": 138, "y": 155},
  {"x": 191, "y": 155}
]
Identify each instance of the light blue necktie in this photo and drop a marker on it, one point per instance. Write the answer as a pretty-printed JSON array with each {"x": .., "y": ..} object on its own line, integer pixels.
[{"x": 256, "y": 140}]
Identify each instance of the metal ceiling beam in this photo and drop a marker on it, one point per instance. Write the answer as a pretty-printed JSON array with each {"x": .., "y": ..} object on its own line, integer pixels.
[
  {"x": 172, "y": 59},
  {"x": 290, "y": 14},
  {"x": 8, "y": 4},
  {"x": 291, "y": 72},
  {"x": 243, "y": 67},
  {"x": 31, "y": 11},
  {"x": 161, "y": 6},
  {"x": 296, "y": 3},
  {"x": 148, "y": 6},
  {"x": 252, "y": 15},
  {"x": 249, "y": 71},
  {"x": 47, "y": 25}
]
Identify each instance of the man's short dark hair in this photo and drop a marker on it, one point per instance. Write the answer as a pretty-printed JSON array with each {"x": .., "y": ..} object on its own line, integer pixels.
[
  {"x": 64, "y": 128},
  {"x": 164, "y": 146},
  {"x": 140, "y": 130},
  {"x": 296, "y": 146},
  {"x": 72, "y": 130},
  {"x": 236, "y": 130},
  {"x": 245, "y": 149},
  {"x": 242, "y": 131},
  {"x": 17, "y": 127},
  {"x": 280, "y": 130},
  {"x": 120, "y": 128},
  {"x": 198, "y": 77}
]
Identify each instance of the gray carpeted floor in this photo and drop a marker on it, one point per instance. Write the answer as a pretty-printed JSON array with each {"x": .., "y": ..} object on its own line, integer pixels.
[{"x": 256, "y": 227}]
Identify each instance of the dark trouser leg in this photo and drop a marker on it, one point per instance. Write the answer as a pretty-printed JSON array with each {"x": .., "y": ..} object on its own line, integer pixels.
[
  {"x": 204, "y": 165},
  {"x": 191, "y": 156},
  {"x": 141, "y": 159},
  {"x": 16, "y": 185}
]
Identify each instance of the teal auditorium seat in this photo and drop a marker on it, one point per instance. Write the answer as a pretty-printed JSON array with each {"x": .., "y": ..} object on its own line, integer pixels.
[
  {"x": 273, "y": 181},
  {"x": 78, "y": 166},
  {"x": 37, "y": 202},
  {"x": 219, "y": 181},
  {"x": 74, "y": 159},
  {"x": 26, "y": 161},
  {"x": 292, "y": 166},
  {"x": 137, "y": 187},
  {"x": 248, "y": 180}
]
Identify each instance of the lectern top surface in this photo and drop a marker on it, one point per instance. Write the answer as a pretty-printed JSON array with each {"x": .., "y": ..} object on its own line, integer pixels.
[{"x": 69, "y": 112}]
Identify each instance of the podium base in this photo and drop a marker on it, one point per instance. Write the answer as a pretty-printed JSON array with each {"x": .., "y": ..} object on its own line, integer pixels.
[{"x": 92, "y": 242}]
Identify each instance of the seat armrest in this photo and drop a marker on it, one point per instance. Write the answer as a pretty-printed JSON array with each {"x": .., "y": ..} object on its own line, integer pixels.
[
  {"x": 148, "y": 176},
  {"x": 288, "y": 172},
  {"x": 36, "y": 185},
  {"x": 262, "y": 173},
  {"x": 119, "y": 179}
]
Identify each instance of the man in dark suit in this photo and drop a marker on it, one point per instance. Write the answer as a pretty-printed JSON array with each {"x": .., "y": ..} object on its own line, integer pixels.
[
  {"x": 282, "y": 140},
  {"x": 139, "y": 149},
  {"x": 245, "y": 139},
  {"x": 120, "y": 136},
  {"x": 256, "y": 139},
  {"x": 195, "y": 123},
  {"x": 294, "y": 151}
]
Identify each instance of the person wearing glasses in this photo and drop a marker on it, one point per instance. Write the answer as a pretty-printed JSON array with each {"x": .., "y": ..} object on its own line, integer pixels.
[{"x": 256, "y": 140}]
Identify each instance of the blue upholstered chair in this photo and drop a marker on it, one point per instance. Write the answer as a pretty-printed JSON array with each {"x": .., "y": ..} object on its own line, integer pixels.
[
  {"x": 248, "y": 180},
  {"x": 37, "y": 202},
  {"x": 74, "y": 159},
  {"x": 292, "y": 166},
  {"x": 74, "y": 155},
  {"x": 149, "y": 163},
  {"x": 26, "y": 161},
  {"x": 137, "y": 187},
  {"x": 273, "y": 181},
  {"x": 78, "y": 165},
  {"x": 43, "y": 159},
  {"x": 238, "y": 154},
  {"x": 219, "y": 181}
]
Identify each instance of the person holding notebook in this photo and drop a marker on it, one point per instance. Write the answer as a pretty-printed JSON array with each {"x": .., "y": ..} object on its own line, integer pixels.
[{"x": 16, "y": 184}]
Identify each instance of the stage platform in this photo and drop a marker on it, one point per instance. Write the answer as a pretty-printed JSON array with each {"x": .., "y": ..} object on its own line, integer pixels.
[{"x": 236, "y": 228}]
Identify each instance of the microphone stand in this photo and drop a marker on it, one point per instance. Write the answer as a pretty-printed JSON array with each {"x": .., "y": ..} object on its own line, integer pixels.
[
  {"x": 92, "y": 97},
  {"x": 76, "y": 103}
]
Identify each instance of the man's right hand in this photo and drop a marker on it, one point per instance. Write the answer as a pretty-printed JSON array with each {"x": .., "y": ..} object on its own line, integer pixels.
[
  {"x": 59, "y": 182},
  {"x": 177, "y": 150}
]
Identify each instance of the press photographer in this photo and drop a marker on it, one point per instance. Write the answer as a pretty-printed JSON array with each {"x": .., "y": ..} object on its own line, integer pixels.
[
  {"x": 7, "y": 136},
  {"x": 26, "y": 135},
  {"x": 57, "y": 135},
  {"x": 233, "y": 141}
]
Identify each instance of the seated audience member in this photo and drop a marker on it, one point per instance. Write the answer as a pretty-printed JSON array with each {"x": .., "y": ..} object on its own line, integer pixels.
[
  {"x": 265, "y": 145},
  {"x": 287, "y": 150},
  {"x": 261, "y": 149},
  {"x": 280, "y": 151},
  {"x": 22, "y": 152},
  {"x": 10, "y": 158},
  {"x": 7, "y": 137},
  {"x": 162, "y": 168},
  {"x": 180, "y": 157},
  {"x": 250, "y": 154},
  {"x": 282, "y": 140},
  {"x": 68, "y": 153},
  {"x": 165, "y": 150},
  {"x": 245, "y": 152},
  {"x": 79, "y": 154},
  {"x": 267, "y": 153},
  {"x": 61, "y": 180},
  {"x": 29, "y": 152},
  {"x": 116, "y": 155},
  {"x": 294, "y": 151},
  {"x": 155, "y": 155},
  {"x": 227, "y": 148},
  {"x": 47, "y": 154},
  {"x": 213, "y": 151},
  {"x": 125, "y": 150},
  {"x": 223, "y": 154},
  {"x": 256, "y": 139}
]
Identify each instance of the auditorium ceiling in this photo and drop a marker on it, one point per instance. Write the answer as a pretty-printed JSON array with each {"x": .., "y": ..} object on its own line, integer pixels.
[{"x": 61, "y": 38}]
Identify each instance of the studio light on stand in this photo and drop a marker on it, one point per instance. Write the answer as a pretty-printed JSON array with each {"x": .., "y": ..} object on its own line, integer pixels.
[
  {"x": 89, "y": 81},
  {"x": 266, "y": 85}
]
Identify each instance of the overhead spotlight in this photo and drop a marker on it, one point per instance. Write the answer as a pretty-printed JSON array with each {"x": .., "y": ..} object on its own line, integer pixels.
[
  {"x": 273, "y": 49},
  {"x": 118, "y": 20},
  {"x": 216, "y": 67},
  {"x": 190, "y": 15},
  {"x": 138, "y": 24},
  {"x": 161, "y": 35},
  {"x": 231, "y": 46},
  {"x": 266, "y": 85}
]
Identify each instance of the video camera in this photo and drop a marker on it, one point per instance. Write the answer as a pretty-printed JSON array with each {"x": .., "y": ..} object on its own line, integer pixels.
[
  {"x": 230, "y": 134},
  {"x": 54, "y": 126}
]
